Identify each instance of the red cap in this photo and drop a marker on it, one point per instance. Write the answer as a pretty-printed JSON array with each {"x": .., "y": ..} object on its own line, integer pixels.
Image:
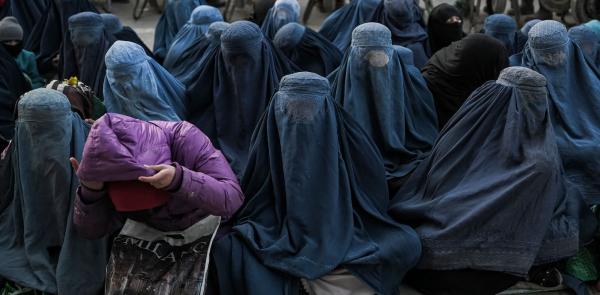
[{"x": 135, "y": 195}]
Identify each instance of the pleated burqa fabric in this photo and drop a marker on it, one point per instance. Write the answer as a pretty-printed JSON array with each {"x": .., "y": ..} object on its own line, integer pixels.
[
  {"x": 234, "y": 87},
  {"x": 316, "y": 201},
  {"x": 374, "y": 85},
  {"x": 457, "y": 70},
  {"x": 39, "y": 247},
  {"x": 503, "y": 28},
  {"x": 574, "y": 98},
  {"x": 137, "y": 86},
  {"x": 587, "y": 41},
  {"x": 191, "y": 41},
  {"x": 175, "y": 15},
  {"x": 282, "y": 13},
  {"x": 338, "y": 26},
  {"x": 84, "y": 50},
  {"x": 405, "y": 21},
  {"x": 307, "y": 49},
  {"x": 492, "y": 195}
]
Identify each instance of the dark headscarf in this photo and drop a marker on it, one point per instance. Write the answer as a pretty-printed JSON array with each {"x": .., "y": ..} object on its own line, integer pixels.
[
  {"x": 338, "y": 26},
  {"x": 203, "y": 53},
  {"x": 175, "y": 15},
  {"x": 503, "y": 28},
  {"x": 405, "y": 21},
  {"x": 39, "y": 247},
  {"x": 455, "y": 71},
  {"x": 12, "y": 85},
  {"x": 85, "y": 49},
  {"x": 234, "y": 87},
  {"x": 574, "y": 99},
  {"x": 492, "y": 195},
  {"x": 283, "y": 12},
  {"x": 137, "y": 86},
  {"x": 394, "y": 108},
  {"x": 315, "y": 201},
  {"x": 28, "y": 13},
  {"x": 191, "y": 41},
  {"x": 308, "y": 49},
  {"x": 440, "y": 32},
  {"x": 113, "y": 26}
]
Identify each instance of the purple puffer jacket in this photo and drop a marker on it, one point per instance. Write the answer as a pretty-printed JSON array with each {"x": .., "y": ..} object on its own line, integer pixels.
[{"x": 204, "y": 183}]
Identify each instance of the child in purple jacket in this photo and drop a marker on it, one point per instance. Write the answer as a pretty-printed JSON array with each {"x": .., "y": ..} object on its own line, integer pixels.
[{"x": 176, "y": 158}]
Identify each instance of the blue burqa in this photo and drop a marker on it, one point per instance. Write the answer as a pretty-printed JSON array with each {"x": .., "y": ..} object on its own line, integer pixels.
[
  {"x": 39, "y": 247},
  {"x": 316, "y": 200},
  {"x": 587, "y": 40},
  {"x": 175, "y": 15},
  {"x": 309, "y": 50},
  {"x": 234, "y": 87},
  {"x": 338, "y": 26},
  {"x": 191, "y": 41},
  {"x": 521, "y": 40},
  {"x": 405, "y": 21},
  {"x": 85, "y": 48},
  {"x": 503, "y": 28},
  {"x": 137, "y": 86},
  {"x": 574, "y": 100},
  {"x": 492, "y": 195},
  {"x": 204, "y": 52},
  {"x": 283, "y": 12},
  {"x": 396, "y": 109}
]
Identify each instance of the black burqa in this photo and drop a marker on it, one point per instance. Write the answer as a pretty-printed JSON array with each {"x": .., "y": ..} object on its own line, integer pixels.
[
  {"x": 441, "y": 30},
  {"x": 12, "y": 85},
  {"x": 457, "y": 70},
  {"x": 234, "y": 87}
]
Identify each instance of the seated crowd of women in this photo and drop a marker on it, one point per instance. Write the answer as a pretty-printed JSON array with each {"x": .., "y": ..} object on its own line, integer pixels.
[{"x": 239, "y": 158}]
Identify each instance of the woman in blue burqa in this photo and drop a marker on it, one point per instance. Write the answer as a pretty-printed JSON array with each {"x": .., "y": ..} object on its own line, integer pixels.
[
  {"x": 574, "y": 101},
  {"x": 137, "y": 86},
  {"x": 396, "y": 109},
  {"x": 204, "y": 52},
  {"x": 587, "y": 40},
  {"x": 39, "y": 247},
  {"x": 315, "y": 211},
  {"x": 191, "y": 41},
  {"x": 283, "y": 12},
  {"x": 308, "y": 49},
  {"x": 491, "y": 201},
  {"x": 504, "y": 29},
  {"x": 175, "y": 15},
  {"x": 403, "y": 18},
  {"x": 85, "y": 46},
  {"x": 234, "y": 87}
]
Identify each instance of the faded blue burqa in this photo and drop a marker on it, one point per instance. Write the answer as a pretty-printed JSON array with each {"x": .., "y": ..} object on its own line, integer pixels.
[
  {"x": 338, "y": 26},
  {"x": 587, "y": 41},
  {"x": 283, "y": 12},
  {"x": 85, "y": 47},
  {"x": 137, "y": 86},
  {"x": 492, "y": 195},
  {"x": 175, "y": 15},
  {"x": 316, "y": 201},
  {"x": 191, "y": 42},
  {"x": 396, "y": 109},
  {"x": 405, "y": 21},
  {"x": 39, "y": 247},
  {"x": 503, "y": 28},
  {"x": 203, "y": 53},
  {"x": 234, "y": 87},
  {"x": 309, "y": 50},
  {"x": 574, "y": 99}
]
